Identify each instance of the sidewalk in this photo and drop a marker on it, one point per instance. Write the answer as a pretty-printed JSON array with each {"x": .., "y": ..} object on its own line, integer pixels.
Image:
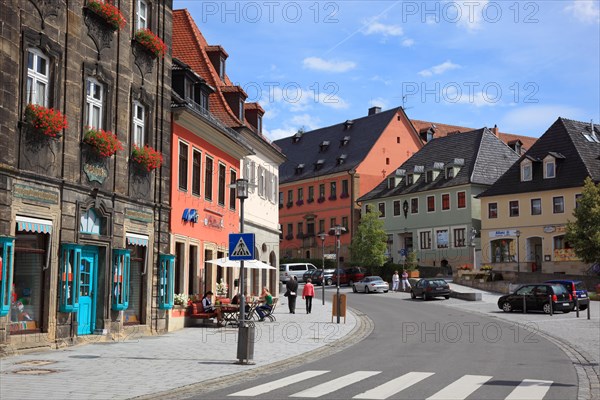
[{"x": 143, "y": 366}]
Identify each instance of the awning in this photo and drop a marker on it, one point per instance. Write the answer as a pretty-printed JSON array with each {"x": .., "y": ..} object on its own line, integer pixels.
[
  {"x": 137, "y": 240},
  {"x": 27, "y": 224}
]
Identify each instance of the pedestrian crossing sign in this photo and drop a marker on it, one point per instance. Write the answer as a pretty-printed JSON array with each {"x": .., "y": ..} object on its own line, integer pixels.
[{"x": 241, "y": 246}]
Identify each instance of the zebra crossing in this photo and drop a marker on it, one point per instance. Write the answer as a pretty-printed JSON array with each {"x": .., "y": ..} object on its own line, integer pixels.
[{"x": 527, "y": 389}]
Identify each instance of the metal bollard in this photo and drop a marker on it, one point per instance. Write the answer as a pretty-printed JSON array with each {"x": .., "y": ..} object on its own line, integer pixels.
[
  {"x": 577, "y": 306},
  {"x": 550, "y": 302},
  {"x": 524, "y": 305},
  {"x": 588, "y": 309}
]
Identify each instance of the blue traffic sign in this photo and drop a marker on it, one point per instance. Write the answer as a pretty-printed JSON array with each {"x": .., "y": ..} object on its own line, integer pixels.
[
  {"x": 241, "y": 246},
  {"x": 403, "y": 252}
]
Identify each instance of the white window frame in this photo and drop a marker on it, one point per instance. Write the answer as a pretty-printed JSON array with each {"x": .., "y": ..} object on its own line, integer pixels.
[
  {"x": 549, "y": 161},
  {"x": 261, "y": 181},
  {"x": 449, "y": 202},
  {"x": 36, "y": 78},
  {"x": 141, "y": 17},
  {"x": 430, "y": 244},
  {"x": 92, "y": 103},
  {"x": 139, "y": 124},
  {"x": 526, "y": 171},
  {"x": 448, "y": 241},
  {"x": 561, "y": 204}
]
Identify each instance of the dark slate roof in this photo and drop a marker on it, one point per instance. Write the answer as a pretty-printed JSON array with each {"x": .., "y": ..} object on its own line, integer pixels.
[
  {"x": 576, "y": 159},
  {"x": 362, "y": 133},
  {"x": 485, "y": 157}
]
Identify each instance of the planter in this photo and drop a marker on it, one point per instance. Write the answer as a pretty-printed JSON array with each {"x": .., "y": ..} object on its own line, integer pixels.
[
  {"x": 413, "y": 274},
  {"x": 150, "y": 42}
]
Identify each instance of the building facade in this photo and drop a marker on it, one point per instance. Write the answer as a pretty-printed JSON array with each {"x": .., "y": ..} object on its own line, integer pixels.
[{"x": 84, "y": 170}]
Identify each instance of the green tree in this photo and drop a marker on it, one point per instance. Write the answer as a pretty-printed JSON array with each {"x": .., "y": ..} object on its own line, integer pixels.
[
  {"x": 369, "y": 244},
  {"x": 584, "y": 233},
  {"x": 411, "y": 261}
]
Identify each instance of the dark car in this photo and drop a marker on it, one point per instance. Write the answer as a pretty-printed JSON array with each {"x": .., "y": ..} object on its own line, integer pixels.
[
  {"x": 349, "y": 275},
  {"x": 538, "y": 296},
  {"x": 317, "y": 277},
  {"x": 577, "y": 290},
  {"x": 429, "y": 288}
]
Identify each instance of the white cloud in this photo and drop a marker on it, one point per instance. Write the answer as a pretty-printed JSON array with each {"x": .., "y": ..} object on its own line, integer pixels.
[
  {"x": 308, "y": 121},
  {"x": 439, "y": 69},
  {"x": 535, "y": 120},
  {"x": 408, "y": 42},
  {"x": 585, "y": 10},
  {"x": 280, "y": 133},
  {"x": 375, "y": 27},
  {"x": 290, "y": 127},
  {"x": 319, "y": 64},
  {"x": 472, "y": 14},
  {"x": 378, "y": 78},
  {"x": 297, "y": 99}
]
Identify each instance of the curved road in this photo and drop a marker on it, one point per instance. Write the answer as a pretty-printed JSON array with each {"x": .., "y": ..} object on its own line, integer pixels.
[{"x": 421, "y": 350}]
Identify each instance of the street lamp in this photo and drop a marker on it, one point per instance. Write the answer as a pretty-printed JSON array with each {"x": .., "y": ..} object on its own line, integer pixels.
[
  {"x": 337, "y": 230},
  {"x": 322, "y": 236},
  {"x": 473, "y": 236},
  {"x": 518, "y": 234},
  {"x": 241, "y": 192}
]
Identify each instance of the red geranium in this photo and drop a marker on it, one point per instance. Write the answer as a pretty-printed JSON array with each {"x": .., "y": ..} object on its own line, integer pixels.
[
  {"x": 150, "y": 41},
  {"x": 105, "y": 142},
  {"x": 47, "y": 121},
  {"x": 147, "y": 157},
  {"x": 110, "y": 13}
]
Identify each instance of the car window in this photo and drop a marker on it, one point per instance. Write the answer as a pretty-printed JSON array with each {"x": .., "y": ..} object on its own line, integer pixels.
[
  {"x": 376, "y": 278},
  {"x": 420, "y": 284},
  {"x": 297, "y": 267},
  {"x": 310, "y": 266},
  {"x": 542, "y": 290},
  {"x": 579, "y": 286},
  {"x": 559, "y": 289},
  {"x": 438, "y": 282},
  {"x": 282, "y": 268},
  {"x": 525, "y": 290}
]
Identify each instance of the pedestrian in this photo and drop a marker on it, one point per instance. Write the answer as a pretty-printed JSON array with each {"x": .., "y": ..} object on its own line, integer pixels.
[
  {"x": 307, "y": 294},
  {"x": 395, "y": 281},
  {"x": 405, "y": 282},
  {"x": 291, "y": 293}
]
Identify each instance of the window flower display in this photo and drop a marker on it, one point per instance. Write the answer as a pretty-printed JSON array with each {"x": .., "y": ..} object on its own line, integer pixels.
[
  {"x": 47, "y": 121},
  {"x": 109, "y": 13},
  {"x": 147, "y": 157},
  {"x": 151, "y": 42},
  {"x": 105, "y": 142}
]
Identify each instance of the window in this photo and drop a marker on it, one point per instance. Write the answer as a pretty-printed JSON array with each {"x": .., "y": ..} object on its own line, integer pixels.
[
  {"x": 536, "y": 206},
  {"x": 513, "y": 208},
  {"x": 290, "y": 230},
  {"x": 321, "y": 225},
  {"x": 322, "y": 190},
  {"x": 430, "y": 203},
  {"x": 183, "y": 166},
  {"x": 222, "y": 176},
  {"x": 290, "y": 196},
  {"x": 90, "y": 223},
  {"x": 332, "y": 222},
  {"x": 429, "y": 176},
  {"x": 311, "y": 193},
  {"x": 345, "y": 191},
  {"x": 241, "y": 110},
  {"x": 300, "y": 231},
  {"x": 493, "y": 210},
  {"x": 449, "y": 172},
  {"x": 445, "y": 201},
  {"x": 558, "y": 204},
  {"x": 333, "y": 190},
  {"x": 459, "y": 237},
  {"x": 526, "y": 174},
  {"x": 94, "y": 103},
  {"x": 310, "y": 228},
  {"x": 222, "y": 68},
  {"x": 261, "y": 181},
  {"x": 409, "y": 179},
  {"x": 461, "y": 199},
  {"x": 441, "y": 238},
  {"x": 301, "y": 194},
  {"x": 259, "y": 124},
  {"x": 281, "y": 198},
  {"x": 141, "y": 15},
  {"x": 345, "y": 223},
  {"x": 503, "y": 250},
  {"x": 425, "y": 240},
  {"x": 232, "y": 197},
  {"x": 414, "y": 205},
  {"x": 549, "y": 168},
  {"x": 139, "y": 129},
  {"x": 208, "y": 177},
  {"x": 397, "y": 208},
  {"x": 196, "y": 171},
  {"x": 577, "y": 199},
  {"x": 37, "y": 77},
  {"x": 381, "y": 207}
]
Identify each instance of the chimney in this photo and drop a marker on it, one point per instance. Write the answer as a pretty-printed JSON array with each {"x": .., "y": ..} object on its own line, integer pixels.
[
  {"x": 374, "y": 110},
  {"x": 495, "y": 130}
]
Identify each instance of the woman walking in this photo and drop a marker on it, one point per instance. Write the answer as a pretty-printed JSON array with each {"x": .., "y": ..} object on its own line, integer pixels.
[{"x": 307, "y": 294}]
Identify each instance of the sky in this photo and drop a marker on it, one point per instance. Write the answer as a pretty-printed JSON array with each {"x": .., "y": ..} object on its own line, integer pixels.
[{"x": 516, "y": 64}]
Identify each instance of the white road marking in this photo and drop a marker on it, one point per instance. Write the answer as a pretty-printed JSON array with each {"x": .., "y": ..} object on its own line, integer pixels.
[
  {"x": 270, "y": 386},
  {"x": 461, "y": 388},
  {"x": 336, "y": 384},
  {"x": 394, "y": 386},
  {"x": 530, "y": 389}
]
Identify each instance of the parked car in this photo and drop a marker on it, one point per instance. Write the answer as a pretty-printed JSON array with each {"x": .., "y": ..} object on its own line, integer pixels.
[
  {"x": 577, "y": 290},
  {"x": 349, "y": 275},
  {"x": 538, "y": 296},
  {"x": 294, "y": 269},
  {"x": 317, "y": 276},
  {"x": 429, "y": 288},
  {"x": 371, "y": 284}
]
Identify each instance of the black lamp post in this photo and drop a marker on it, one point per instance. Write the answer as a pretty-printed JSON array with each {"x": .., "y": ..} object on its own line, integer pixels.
[
  {"x": 473, "y": 237},
  {"x": 337, "y": 230},
  {"x": 518, "y": 234},
  {"x": 322, "y": 236},
  {"x": 241, "y": 191}
]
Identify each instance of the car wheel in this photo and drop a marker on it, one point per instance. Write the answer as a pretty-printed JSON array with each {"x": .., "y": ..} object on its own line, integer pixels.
[
  {"x": 385, "y": 291},
  {"x": 329, "y": 282},
  {"x": 367, "y": 289},
  {"x": 546, "y": 308},
  {"x": 446, "y": 297},
  {"x": 354, "y": 289},
  {"x": 413, "y": 295},
  {"x": 506, "y": 307}
]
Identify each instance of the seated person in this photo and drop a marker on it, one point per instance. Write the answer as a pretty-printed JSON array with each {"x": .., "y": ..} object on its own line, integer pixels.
[
  {"x": 265, "y": 308},
  {"x": 236, "y": 300},
  {"x": 209, "y": 308}
]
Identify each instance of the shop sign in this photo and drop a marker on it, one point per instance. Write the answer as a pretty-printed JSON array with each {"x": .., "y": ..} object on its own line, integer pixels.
[
  {"x": 138, "y": 215},
  {"x": 549, "y": 229},
  {"x": 33, "y": 193},
  {"x": 190, "y": 215},
  {"x": 213, "y": 222},
  {"x": 504, "y": 233},
  {"x": 95, "y": 171}
]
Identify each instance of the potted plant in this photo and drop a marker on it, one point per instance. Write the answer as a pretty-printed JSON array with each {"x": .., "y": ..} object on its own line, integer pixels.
[
  {"x": 147, "y": 157},
  {"x": 151, "y": 42},
  {"x": 411, "y": 265},
  {"x": 46, "y": 121},
  {"x": 104, "y": 142},
  {"x": 221, "y": 288},
  {"x": 108, "y": 12},
  {"x": 180, "y": 299}
]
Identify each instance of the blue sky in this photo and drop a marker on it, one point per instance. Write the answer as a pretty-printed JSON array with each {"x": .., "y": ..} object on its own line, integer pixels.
[{"x": 517, "y": 64}]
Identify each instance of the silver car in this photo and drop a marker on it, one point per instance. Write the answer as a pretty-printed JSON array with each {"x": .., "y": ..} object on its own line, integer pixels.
[{"x": 371, "y": 284}]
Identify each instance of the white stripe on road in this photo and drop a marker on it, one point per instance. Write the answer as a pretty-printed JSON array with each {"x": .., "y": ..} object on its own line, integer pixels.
[
  {"x": 394, "y": 386},
  {"x": 530, "y": 389},
  {"x": 268, "y": 387},
  {"x": 461, "y": 388},
  {"x": 336, "y": 384}
]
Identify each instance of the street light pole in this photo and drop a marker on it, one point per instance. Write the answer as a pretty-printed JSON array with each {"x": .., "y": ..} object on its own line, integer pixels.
[
  {"x": 338, "y": 229},
  {"x": 518, "y": 234},
  {"x": 241, "y": 186},
  {"x": 473, "y": 236},
  {"x": 322, "y": 236}
]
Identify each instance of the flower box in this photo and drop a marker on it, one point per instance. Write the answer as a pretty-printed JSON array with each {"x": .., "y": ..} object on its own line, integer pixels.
[
  {"x": 289, "y": 204},
  {"x": 151, "y": 42},
  {"x": 108, "y": 12},
  {"x": 147, "y": 157},
  {"x": 311, "y": 200},
  {"x": 300, "y": 202},
  {"x": 47, "y": 121},
  {"x": 104, "y": 142},
  {"x": 344, "y": 196},
  {"x": 320, "y": 199},
  {"x": 332, "y": 198}
]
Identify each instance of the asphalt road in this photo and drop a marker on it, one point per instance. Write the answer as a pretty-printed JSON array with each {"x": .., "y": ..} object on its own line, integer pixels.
[{"x": 421, "y": 350}]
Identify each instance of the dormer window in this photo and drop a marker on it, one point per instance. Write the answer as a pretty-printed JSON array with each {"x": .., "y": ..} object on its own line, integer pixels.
[
  {"x": 259, "y": 124},
  {"x": 222, "y": 68},
  {"x": 409, "y": 179},
  {"x": 429, "y": 176},
  {"x": 391, "y": 182},
  {"x": 549, "y": 168},
  {"x": 526, "y": 171},
  {"x": 348, "y": 124},
  {"x": 319, "y": 164},
  {"x": 344, "y": 140},
  {"x": 296, "y": 138},
  {"x": 299, "y": 169},
  {"x": 324, "y": 145},
  {"x": 341, "y": 159},
  {"x": 241, "y": 110},
  {"x": 449, "y": 172}
]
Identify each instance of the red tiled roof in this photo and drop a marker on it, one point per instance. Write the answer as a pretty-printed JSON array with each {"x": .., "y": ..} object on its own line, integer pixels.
[{"x": 254, "y": 106}]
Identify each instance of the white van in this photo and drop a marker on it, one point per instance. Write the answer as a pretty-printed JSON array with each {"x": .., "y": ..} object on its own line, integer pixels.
[{"x": 294, "y": 269}]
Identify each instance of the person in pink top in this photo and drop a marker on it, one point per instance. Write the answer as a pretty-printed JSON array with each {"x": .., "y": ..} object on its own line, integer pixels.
[{"x": 308, "y": 293}]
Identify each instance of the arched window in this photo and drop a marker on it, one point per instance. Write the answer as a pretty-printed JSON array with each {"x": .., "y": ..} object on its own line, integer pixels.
[{"x": 90, "y": 222}]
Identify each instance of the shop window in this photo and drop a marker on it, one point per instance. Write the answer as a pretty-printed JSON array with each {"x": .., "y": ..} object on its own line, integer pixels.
[
  {"x": 459, "y": 237},
  {"x": 166, "y": 281},
  {"x": 69, "y": 279},
  {"x": 503, "y": 250},
  {"x": 6, "y": 274},
  {"x": 120, "y": 281},
  {"x": 441, "y": 238}
]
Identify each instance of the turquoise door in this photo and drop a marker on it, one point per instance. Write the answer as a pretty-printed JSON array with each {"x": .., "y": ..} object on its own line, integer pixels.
[{"x": 86, "y": 316}]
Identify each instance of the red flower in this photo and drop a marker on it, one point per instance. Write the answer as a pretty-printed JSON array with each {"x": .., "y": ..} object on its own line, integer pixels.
[
  {"x": 151, "y": 42},
  {"x": 47, "y": 121},
  {"x": 110, "y": 13},
  {"x": 147, "y": 157},
  {"x": 105, "y": 142}
]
